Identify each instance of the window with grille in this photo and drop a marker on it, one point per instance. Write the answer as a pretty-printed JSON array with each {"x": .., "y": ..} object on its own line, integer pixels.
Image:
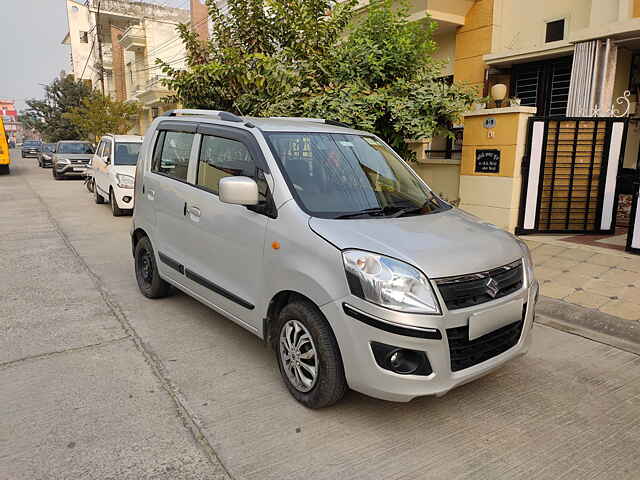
[{"x": 544, "y": 85}]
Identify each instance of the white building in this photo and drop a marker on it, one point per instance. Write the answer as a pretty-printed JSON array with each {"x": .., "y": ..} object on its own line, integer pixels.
[{"x": 115, "y": 44}]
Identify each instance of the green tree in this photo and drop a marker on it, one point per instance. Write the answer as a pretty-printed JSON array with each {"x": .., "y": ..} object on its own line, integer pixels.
[
  {"x": 257, "y": 49},
  {"x": 306, "y": 58},
  {"x": 99, "y": 114},
  {"x": 47, "y": 116}
]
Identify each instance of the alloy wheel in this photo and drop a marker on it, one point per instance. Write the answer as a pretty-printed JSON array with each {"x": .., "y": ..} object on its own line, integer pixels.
[{"x": 298, "y": 355}]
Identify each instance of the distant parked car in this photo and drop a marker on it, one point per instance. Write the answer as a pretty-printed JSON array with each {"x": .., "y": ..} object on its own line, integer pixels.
[
  {"x": 31, "y": 148},
  {"x": 71, "y": 159},
  {"x": 114, "y": 169},
  {"x": 45, "y": 156}
]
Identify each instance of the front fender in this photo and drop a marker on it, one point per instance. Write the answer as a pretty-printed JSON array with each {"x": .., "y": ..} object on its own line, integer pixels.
[{"x": 304, "y": 262}]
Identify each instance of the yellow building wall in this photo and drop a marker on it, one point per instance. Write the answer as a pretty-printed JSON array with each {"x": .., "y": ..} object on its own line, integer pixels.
[
  {"x": 494, "y": 196},
  {"x": 473, "y": 40}
]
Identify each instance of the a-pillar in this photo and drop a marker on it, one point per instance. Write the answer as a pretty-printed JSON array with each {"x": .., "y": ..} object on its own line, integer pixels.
[{"x": 490, "y": 172}]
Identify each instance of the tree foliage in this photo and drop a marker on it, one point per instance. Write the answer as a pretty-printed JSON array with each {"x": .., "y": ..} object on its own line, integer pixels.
[
  {"x": 313, "y": 58},
  {"x": 47, "y": 116},
  {"x": 99, "y": 114}
]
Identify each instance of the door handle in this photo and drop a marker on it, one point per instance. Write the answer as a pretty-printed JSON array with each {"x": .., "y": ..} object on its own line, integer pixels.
[{"x": 194, "y": 211}]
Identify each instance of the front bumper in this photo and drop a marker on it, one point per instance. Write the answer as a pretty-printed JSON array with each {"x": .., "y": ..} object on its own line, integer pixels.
[
  {"x": 366, "y": 376},
  {"x": 72, "y": 170},
  {"x": 124, "y": 197},
  {"x": 30, "y": 154}
]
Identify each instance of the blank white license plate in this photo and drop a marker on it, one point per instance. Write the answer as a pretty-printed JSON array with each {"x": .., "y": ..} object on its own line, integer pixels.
[
  {"x": 490, "y": 320},
  {"x": 79, "y": 169}
]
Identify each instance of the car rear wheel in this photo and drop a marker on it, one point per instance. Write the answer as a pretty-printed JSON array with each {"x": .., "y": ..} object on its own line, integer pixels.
[
  {"x": 149, "y": 281},
  {"x": 4, "y": 169},
  {"x": 308, "y": 356}
]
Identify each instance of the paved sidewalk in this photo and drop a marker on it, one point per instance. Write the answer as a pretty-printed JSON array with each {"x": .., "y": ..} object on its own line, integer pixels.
[{"x": 597, "y": 278}]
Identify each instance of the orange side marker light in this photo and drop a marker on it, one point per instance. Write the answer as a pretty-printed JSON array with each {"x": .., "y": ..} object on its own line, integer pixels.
[{"x": 275, "y": 245}]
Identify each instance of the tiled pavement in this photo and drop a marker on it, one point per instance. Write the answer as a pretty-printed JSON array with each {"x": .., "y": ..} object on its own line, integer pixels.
[{"x": 594, "y": 277}]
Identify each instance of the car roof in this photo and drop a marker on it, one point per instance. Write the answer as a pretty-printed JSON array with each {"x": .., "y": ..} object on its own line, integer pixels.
[
  {"x": 126, "y": 138},
  {"x": 275, "y": 124},
  {"x": 266, "y": 124}
]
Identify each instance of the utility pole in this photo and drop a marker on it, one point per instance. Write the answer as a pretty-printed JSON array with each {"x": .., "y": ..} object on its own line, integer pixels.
[{"x": 98, "y": 33}]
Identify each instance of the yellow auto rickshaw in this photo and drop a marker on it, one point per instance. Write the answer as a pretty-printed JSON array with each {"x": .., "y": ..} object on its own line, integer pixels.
[{"x": 5, "y": 157}]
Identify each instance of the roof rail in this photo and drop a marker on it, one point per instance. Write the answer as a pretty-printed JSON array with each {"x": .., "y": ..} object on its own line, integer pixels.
[
  {"x": 316, "y": 120},
  {"x": 219, "y": 114}
]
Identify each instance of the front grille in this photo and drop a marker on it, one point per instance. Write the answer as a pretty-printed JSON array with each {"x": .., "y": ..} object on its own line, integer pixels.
[
  {"x": 77, "y": 161},
  {"x": 465, "y": 353},
  {"x": 476, "y": 288}
]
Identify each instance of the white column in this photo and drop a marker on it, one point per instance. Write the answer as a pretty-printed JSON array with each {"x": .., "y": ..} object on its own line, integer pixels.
[
  {"x": 533, "y": 180},
  {"x": 635, "y": 239},
  {"x": 613, "y": 163}
]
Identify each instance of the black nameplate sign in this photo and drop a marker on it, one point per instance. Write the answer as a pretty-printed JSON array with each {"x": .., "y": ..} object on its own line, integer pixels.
[{"x": 487, "y": 161}]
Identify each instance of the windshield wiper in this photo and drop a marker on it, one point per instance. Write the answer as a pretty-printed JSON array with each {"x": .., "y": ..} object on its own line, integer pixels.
[
  {"x": 371, "y": 212},
  {"x": 413, "y": 209}
]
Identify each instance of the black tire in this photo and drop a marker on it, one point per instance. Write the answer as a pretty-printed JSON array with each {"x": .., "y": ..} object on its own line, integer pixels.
[
  {"x": 97, "y": 197},
  {"x": 4, "y": 169},
  {"x": 330, "y": 384},
  {"x": 115, "y": 209},
  {"x": 149, "y": 281},
  {"x": 55, "y": 175}
]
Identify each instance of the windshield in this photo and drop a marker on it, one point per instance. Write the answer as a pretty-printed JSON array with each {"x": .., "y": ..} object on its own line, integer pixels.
[
  {"x": 49, "y": 147},
  {"x": 32, "y": 144},
  {"x": 338, "y": 175},
  {"x": 75, "y": 148},
  {"x": 127, "y": 153}
]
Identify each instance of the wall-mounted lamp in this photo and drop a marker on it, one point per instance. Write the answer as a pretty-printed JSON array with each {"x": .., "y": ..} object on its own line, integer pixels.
[{"x": 498, "y": 93}]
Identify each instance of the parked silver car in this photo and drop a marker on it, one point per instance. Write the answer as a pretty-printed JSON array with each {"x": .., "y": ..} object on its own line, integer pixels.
[
  {"x": 71, "y": 159},
  {"x": 319, "y": 239}
]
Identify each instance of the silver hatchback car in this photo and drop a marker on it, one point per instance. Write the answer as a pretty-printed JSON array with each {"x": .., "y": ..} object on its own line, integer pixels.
[{"x": 321, "y": 240}]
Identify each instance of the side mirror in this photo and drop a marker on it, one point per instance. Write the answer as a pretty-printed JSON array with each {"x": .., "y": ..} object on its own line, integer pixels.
[{"x": 238, "y": 191}]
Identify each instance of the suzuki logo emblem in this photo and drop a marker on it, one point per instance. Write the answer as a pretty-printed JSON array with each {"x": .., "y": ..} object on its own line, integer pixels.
[{"x": 492, "y": 288}]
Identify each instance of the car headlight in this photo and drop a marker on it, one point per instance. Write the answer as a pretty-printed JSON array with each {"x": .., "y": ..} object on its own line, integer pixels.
[
  {"x": 64, "y": 161},
  {"x": 125, "y": 181},
  {"x": 46, "y": 157},
  {"x": 389, "y": 283},
  {"x": 528, "y": 261}
]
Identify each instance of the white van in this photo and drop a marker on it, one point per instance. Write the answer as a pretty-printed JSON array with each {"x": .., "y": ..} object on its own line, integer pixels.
[
  {"x": 322, "y": 241},
  {"x": 113, "y": 168}
]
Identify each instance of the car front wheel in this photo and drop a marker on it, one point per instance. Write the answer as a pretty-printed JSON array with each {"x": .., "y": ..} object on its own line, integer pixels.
[
  {"x": 308, "y": 356},
  {"x": 115, "y": 209}
]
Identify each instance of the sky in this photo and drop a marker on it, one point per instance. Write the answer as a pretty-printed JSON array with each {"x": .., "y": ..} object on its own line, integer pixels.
[
  {"x": 31, "y": 33},
  {"x": 31, "y": 50}
]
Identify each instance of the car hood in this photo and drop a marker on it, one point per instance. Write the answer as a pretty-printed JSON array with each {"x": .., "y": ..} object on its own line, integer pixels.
[
  {"x": 124, "y": 170},
  {"x": 442, "y": 244}
]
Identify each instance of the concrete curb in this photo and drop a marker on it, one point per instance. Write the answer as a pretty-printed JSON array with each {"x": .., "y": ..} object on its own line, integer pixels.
[{"x": 589, "y": 323}]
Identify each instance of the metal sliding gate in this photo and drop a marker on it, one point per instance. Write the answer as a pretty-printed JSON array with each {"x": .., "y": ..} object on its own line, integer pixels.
[{"x": 569, "y": 175}]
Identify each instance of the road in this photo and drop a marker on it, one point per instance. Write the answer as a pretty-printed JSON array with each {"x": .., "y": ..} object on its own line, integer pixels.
[{"x": 97, "y": 381}]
